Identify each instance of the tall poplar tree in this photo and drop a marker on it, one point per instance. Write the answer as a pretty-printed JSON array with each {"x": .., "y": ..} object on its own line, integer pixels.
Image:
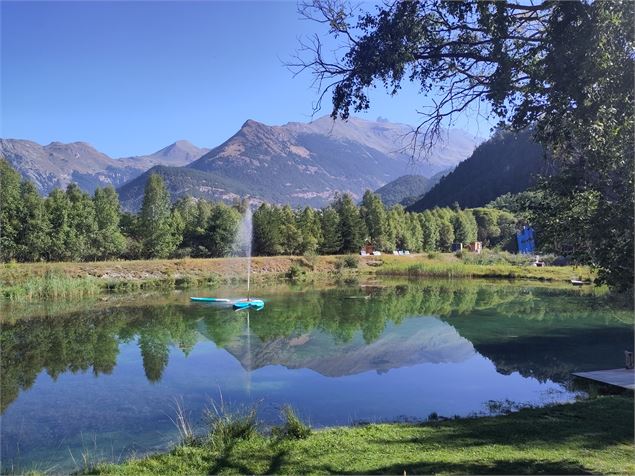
[
  {"x": 109, "y": 241},
  {"x": 157, "y": 226},
  {"x": 374, "y": 214},
  {"x": 10, "y": 209},
  {"x": 33, "y": 236}
]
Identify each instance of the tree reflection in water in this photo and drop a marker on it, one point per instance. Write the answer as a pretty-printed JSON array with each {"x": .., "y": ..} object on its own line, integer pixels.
[{"x": 542, "y": 332}]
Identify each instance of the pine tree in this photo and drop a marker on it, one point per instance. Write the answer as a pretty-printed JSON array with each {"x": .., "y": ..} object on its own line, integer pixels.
[
  {"x": 291, "y": 236},
  {"x": 309, "y": 226},
  {"x": 352, "y": 226},
  {"x": 331, "y": 233}
]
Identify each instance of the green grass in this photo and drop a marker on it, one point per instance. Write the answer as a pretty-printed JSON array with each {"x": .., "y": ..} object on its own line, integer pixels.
[
  {"x": 461, "y": 269},
  {"x": 593, "y": 436},
  {"x": 55, "y": 285},
  {"x": 28, "y": 282},
  {"x": 52, "y": 286}
]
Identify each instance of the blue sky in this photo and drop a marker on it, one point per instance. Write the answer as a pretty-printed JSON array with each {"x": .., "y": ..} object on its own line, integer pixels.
[{"x": 133, "y": 77}]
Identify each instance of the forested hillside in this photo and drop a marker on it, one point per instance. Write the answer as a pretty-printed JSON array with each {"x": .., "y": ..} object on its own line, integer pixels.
[
  {"x": 507, "y": 163},
  {"x": 407, "y": 186}
]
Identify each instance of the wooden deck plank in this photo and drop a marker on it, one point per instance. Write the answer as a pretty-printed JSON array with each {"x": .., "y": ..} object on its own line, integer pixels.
[{"x": 624, "y": 378}]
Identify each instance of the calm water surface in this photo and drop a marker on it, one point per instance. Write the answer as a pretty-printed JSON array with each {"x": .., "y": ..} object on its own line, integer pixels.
[{"x": 104, "y": 377}]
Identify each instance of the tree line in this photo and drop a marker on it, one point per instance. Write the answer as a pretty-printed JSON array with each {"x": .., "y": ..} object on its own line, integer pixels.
[{"x": 71, "y": 225}]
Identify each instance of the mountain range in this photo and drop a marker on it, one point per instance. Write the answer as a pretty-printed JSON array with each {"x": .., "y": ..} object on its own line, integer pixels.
[
  {"x": 296, "y": 163},
  {"x": 56, "y": 165},
  {"x": 416, "y": 340},
  {"x": 303, "y": 163}
]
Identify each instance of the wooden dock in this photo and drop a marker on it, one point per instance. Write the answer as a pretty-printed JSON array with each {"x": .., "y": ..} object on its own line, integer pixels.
[{"x": 624, "y": 378}]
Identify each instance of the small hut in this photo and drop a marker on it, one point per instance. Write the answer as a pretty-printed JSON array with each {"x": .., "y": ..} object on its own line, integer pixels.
[
  {"x": 368, "y": 249},
  {"x": 475, "y": 247}
]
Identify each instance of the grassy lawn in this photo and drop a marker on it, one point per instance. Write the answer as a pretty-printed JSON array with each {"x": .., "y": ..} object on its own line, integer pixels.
[{"x": 593, "y": 436}]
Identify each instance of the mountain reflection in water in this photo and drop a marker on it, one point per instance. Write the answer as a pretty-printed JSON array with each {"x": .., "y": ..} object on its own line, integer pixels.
[{"x": 413, "y": 341}]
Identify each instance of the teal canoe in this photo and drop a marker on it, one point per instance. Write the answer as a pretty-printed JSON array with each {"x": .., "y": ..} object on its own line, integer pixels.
[
  {"x": 256, "y": 304},
  {"x": 208, "y": 299}
]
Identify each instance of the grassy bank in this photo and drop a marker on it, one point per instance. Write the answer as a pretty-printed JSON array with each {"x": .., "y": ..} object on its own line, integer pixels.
[
  {"x": 41, "y": 281},
  {"x": 594, "y": 436}
]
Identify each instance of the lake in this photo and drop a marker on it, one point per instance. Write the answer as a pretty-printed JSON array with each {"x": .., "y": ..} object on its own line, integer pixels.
[{"x": 103, "y": 377}]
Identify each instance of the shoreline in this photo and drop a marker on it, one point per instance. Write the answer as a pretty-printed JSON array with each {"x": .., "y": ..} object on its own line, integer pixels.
[
  {"x": 36, "y": 282},
  {"x": 554, "y": 439}
]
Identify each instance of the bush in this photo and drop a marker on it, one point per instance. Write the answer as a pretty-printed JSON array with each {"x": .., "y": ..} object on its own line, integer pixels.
[
  {"x": 433, "y": 255},
  {"x": 489, "y": 257},
  {"x": 228, "y": 426},
  {"x": 348, "y": 261},
  {"x": 309, "y": 260},
  {"x": 294, "y": 273},
  {"x": 351, "y": 261},
  {"x": 293, "y": 428}
]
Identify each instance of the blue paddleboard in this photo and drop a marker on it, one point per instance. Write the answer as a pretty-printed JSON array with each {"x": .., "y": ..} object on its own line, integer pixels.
[
  {"x": 256, "y": 304},
  {"x": 208, "y": 299}
]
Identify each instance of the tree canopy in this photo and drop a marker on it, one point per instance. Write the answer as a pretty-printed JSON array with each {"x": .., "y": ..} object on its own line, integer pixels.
[{"x": 563, "y": 68}]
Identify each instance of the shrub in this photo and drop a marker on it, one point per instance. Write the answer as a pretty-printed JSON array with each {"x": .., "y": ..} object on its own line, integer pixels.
[
  {"x": 293, "y": 427},
  {"x": 351, "y": 261},
  {"x": 348, "y": 261},
  {"x": 294, "y": 273},
  {"x": 228, "y": 426}
]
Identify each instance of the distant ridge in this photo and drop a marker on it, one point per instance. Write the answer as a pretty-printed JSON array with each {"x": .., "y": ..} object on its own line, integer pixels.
[{"x": 296, "y": 163}]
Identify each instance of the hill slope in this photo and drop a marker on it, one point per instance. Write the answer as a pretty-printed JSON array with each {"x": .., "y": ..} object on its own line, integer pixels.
[
  {"x": 507, "y": 163},
  {"x": 182, "y": 181},
  {"x": 404, "y": 187}
]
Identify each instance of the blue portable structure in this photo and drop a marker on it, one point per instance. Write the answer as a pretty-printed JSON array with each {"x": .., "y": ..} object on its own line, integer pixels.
[{"x": 526, "y": 239}]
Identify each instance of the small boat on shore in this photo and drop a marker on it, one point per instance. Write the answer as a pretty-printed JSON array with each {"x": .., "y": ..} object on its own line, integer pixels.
[{"x": 578, "y": 282}]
